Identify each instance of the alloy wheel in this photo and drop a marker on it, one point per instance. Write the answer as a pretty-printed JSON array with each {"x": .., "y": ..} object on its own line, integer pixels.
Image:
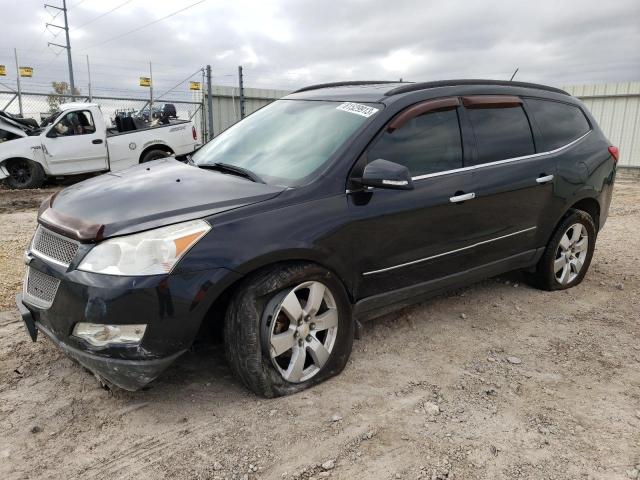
[
  {"x": 20, "y": 171},
  {"x": 302, "y": 331},
  {"x": 571, "y": 253}
]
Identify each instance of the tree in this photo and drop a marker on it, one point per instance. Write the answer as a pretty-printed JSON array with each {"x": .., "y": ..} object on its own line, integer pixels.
[{"x": 57, "y": 96}]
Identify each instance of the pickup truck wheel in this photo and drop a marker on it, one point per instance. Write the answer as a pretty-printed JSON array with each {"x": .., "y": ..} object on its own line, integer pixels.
[
  {"x": 288, "y": 328},
  {"x": 153, "y": 155},
  {"x": 568, "y": 255},
  {"x": 24, "y": 174}
]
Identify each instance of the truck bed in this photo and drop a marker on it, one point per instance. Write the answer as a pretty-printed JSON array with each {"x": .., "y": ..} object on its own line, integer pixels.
[{"x": 113, "y": 132}]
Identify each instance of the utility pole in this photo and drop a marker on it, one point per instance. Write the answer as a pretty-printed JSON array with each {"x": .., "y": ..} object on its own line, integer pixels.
[
  {"x": 67, "y": 46},
  {"x": 15, "y": 51},
  {"x": 241, "y": 87},
  {"x": 89, "y": 73},
  {"x": 209, "y": 104},
  {"x": 203, "y": 127},
  {"x": 150, "y": 93}
]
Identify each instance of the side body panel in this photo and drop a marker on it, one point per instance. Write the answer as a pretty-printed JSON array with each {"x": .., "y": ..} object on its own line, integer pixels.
[
  {"x": 402, "y": 237},
  {"x": 125, "y": 149}
]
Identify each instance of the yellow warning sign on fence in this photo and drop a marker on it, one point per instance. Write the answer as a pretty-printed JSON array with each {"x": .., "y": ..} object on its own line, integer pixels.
[
  {"x": 145, "y": 82},
  {"x": 26, "y": 71},
  {"x": 3, "y": 70},
  {"x": 194, "y": 85}
]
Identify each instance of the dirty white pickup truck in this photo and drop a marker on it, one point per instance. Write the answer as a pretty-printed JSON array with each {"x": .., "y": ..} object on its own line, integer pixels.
[{"x": 76, "y": 140}]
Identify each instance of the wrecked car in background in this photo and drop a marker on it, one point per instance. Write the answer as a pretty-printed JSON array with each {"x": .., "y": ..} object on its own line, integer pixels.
[{"x": 76, "y": 140}]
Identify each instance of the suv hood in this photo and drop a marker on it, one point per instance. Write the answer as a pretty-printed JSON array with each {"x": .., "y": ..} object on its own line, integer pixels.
[{"x": 147, "y": 196}]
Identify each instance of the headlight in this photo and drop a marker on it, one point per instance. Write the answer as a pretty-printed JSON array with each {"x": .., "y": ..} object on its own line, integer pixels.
[{"x": 148, "y": 253}]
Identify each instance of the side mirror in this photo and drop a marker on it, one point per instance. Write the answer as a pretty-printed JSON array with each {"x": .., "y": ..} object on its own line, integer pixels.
[
  {"x": 385, "y": 174},
  {"x": 52, "y": 133}
]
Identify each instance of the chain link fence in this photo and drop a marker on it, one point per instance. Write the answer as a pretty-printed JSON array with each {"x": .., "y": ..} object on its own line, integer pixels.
[{"x": 225, "y": 103}]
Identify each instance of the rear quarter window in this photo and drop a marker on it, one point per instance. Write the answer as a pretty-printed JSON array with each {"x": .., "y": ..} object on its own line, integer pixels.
[{"x": 559, "y": 123}]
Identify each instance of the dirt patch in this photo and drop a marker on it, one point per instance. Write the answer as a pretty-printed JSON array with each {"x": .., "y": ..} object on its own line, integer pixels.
[
  {"x": 495, "y": 381},
  {"x": 12, "y": 201}
]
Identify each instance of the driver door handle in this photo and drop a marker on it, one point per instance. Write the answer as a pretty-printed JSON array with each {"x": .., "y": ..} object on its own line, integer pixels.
[
  {"x": 462, "y": 198},
  {"x": 544, "y": 179},
  {"x": 97, "y": 141}
]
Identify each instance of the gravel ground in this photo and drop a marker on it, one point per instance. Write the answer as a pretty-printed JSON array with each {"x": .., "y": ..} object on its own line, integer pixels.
[{"x": 495, "y": 381}]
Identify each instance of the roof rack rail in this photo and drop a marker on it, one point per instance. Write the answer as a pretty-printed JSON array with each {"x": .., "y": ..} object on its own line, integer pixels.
[
  {"x": 343, "y": 84},
  {"x": 412, "y": 87}
]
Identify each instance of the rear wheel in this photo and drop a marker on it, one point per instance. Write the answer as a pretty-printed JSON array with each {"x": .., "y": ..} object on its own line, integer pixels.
[
  {"x": 153, "y": 155},
  {"x": 24, "y": 174},
  {"x": 568, "y": 255},
  {"x": 288, "y": 328}
]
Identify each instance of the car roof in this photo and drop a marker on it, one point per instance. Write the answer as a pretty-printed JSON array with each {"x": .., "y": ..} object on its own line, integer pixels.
[
  {"x": 387, "y": 92},
  {"x": 71, "y": 105}
]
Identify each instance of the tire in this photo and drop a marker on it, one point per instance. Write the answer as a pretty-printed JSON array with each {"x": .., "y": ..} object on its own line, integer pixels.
[
  {"x": 24, "y": 174},
  {"x": 155, "y": 154},
  {"x": 261, "y": 309},
  {"x": 572, "y": 263}
]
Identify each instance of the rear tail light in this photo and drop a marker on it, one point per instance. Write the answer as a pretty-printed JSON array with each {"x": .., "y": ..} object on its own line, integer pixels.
[
  {"x": 194, "y": 134},
  {"x": 615, "y": 153}
]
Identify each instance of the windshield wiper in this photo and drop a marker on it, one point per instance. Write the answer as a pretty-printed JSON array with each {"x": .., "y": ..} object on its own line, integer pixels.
[{"x": 233, "y": 169}]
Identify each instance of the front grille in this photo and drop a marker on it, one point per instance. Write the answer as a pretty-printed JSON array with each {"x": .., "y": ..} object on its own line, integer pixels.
[
  {"x": 40, "y": 287},
  {"x": 54, "y": 246}
]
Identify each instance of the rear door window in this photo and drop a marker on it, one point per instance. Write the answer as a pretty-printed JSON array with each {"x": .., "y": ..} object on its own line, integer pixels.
[
  {"x": 559, "y": 123},
  {"x": 426, "y": 144},
  {"x": 500, "y": 133}
]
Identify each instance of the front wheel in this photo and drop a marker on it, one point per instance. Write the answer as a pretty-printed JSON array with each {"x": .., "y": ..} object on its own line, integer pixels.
[
  {"x": 288, "y": 328},
  {"x": 24, "y": 174},
  {"x": 568, "y": 255}
]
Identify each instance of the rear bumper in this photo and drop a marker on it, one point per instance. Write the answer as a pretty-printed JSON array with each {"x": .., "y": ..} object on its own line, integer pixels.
[{"x": 127, "y": 374}]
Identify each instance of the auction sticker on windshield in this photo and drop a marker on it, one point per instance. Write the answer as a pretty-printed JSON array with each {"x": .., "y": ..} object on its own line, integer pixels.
[{"x": 358, "y": 109}]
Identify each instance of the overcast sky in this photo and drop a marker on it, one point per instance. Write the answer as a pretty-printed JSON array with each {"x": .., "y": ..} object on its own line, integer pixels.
[{"x": 286, "y": 44}]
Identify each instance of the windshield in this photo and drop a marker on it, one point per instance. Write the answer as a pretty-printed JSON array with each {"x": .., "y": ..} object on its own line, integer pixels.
[
  {"x": 288, "y": 140},
  {"x": 49, "y": 120}
]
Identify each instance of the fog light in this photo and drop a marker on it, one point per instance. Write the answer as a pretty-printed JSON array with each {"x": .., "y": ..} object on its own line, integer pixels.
[{"x": 100, "y": 335}]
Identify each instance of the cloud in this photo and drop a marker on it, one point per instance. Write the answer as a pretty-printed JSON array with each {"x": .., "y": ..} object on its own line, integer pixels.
[
  {"x": 400, "y": 61},
  {"x": 288, "y": 43}
]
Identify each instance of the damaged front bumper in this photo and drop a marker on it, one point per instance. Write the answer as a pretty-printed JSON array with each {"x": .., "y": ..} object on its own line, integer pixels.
[
  {"x": 171, "y": 307},
  {"x": 127, "y": 374}
]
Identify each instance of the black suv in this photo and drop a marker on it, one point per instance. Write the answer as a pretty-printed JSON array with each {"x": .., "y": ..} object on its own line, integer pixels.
[{"x": 336, "y": 203}]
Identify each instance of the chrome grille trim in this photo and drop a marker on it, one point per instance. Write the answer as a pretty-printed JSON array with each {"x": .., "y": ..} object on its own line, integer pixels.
[
  {"x": 53, "y": 247},
  {"x": 39, "y": 288}
]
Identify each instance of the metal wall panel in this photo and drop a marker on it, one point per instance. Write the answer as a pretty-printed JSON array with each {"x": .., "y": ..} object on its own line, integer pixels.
[
  {"x": 616, "y": 108},
  {"x": 226, "y": 104}
]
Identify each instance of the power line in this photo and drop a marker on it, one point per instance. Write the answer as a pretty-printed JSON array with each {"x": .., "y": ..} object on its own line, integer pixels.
[
  {"x": 76, "y": 4},
  {"x": 103, "y": 14},
  {"x": 144, "y": 26},
  {"x": 179, "y": 83}
]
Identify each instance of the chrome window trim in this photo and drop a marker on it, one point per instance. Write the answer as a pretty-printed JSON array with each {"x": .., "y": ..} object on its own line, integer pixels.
[
  {"x": 449, "y": 252},
  {"x": 499, "y": 162}
]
